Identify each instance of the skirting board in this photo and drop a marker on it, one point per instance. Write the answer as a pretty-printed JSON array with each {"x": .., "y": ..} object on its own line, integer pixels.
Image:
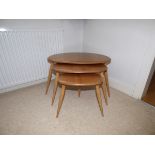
[
  {"x": 22, "y": 85},
  {"x": 123, "y": 87}
]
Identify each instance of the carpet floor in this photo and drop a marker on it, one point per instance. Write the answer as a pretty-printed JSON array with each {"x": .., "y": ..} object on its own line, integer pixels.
[{"x": 28, "y": 111}]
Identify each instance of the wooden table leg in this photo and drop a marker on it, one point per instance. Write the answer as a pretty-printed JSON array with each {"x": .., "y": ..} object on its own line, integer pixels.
[
  {"x": 49, "y": 78},
  {"x": 98, "y": 94},
  {"x": 61, "y": 99},
  {"x": 55, "y": 87},
  {"x": 79, "y": 92},
  {"x": 103, "y": 86},
  {"x": 107, "y": 82}
]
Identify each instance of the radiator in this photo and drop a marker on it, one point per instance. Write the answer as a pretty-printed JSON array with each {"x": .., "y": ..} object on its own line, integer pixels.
[{"x": 23, "y": 55}]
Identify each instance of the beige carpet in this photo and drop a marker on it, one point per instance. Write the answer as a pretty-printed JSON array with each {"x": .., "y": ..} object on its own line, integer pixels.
[{"x": 28, "y": 111}]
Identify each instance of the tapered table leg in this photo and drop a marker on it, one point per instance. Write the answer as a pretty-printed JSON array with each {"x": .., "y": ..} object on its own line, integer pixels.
[
  {"x": 55, "y": 87},
  {"x": 98, "y": 94},
  {"x": 49, "y": 78},
  {"x": 107, "y": 82},
  {"x": 79, "y": 91},
  {"x": 61, "y": 99},
  {"x": 103, "y": 85}
]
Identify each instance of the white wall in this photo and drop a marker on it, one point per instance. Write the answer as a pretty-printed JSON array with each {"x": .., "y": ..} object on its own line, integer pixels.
[
  {"x": 73, "y": 29},
  {"x": 131, "y": 46}
]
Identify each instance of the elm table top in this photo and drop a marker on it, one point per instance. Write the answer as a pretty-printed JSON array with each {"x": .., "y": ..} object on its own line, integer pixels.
[
  {"x": 78, "y": 68},
  {"x": 80, "y": 79},
  {"x": 79, "y": 58}
]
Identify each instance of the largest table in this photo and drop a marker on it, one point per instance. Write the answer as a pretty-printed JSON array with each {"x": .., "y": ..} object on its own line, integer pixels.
[{"x": 76, "y": 59}]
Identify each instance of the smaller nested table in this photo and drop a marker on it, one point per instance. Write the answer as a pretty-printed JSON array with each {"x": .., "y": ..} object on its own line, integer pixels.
[{"x": 80, "y": 80}]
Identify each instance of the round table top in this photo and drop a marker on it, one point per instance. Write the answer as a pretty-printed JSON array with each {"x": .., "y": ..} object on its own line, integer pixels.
[
  {"x": 78, "y": 68},
  {"x": 79, "y": 58},
  {"x": 80, "y": 79}
]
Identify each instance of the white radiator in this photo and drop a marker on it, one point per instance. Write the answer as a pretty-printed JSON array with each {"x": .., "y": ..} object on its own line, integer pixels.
[{"x": 23, "y": 55}]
